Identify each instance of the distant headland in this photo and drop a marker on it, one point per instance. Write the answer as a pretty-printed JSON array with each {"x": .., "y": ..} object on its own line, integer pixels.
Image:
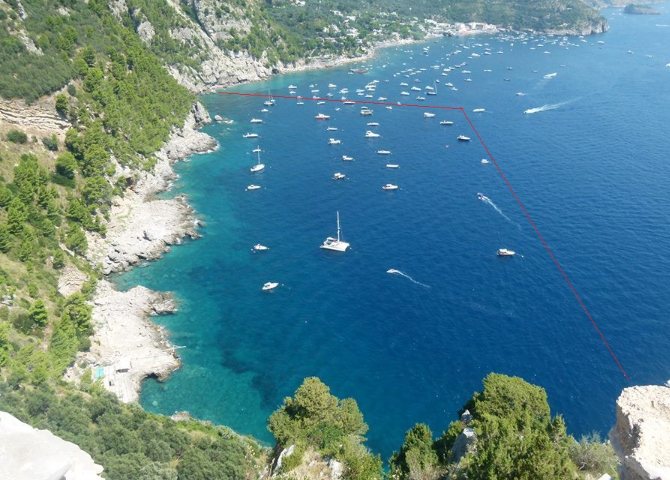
[{"x": 640, "y": 10}]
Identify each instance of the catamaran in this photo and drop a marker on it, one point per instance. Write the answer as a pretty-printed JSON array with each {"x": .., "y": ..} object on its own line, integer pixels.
[{"x": 335, "y": 243}]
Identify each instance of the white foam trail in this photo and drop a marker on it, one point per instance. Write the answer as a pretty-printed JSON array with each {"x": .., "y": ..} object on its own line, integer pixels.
[
  {"x": 486, "y": 199},
  {"x": 544, "y": 108},
  {"x": 393, "y": 271}
]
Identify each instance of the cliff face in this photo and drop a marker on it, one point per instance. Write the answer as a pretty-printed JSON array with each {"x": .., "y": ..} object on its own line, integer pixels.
[{"x": 641, "y": 437}]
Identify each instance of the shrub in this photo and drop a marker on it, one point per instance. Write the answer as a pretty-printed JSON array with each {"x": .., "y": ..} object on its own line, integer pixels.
[
  {"x": 50, "y": 143},
  {"x": 17, "y": 136}
]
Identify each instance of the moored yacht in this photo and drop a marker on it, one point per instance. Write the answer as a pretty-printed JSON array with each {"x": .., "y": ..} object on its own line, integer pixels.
[
  {"x": 259, "y": 166},
  {"x": 463, "y": 138},
  {"x": 428, "y": 115},
  {"x": 260, "y": 248},
  {"x": 383, "y": 152},
  {"x": 338, "y": 176},
  {"x": 390, "y": 186},
  {"x": 270, "y": 286},
  {"x": 253, "y": 187},
  {"x": 503, "y": 252},
  {"x": 322, "y": 116},
  {"x": 446, "y": 122},
  {"x": 335, "y": 244},
  {"x": 346, "y": 158},
  {"x": 250, "y": 135},
  {"x": 333, "y": 141},
  {"x": 371, "y": 134},
  {"x": 256, "y": 120}
]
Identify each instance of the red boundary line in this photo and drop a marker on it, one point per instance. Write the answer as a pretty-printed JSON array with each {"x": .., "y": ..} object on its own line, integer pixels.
[{"x": 551, "y": 254}]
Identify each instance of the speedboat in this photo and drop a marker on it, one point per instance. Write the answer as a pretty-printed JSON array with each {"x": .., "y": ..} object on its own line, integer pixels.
[
  {"x": 550, "y": 75},
  {"x": 335, "y": 243},
  {"x": 392, "y": 165},
  {"x": 428, "y": 115},
  {"x": 270, "y": 286},
  {"x": 371, "y": 134},
  {"x": 479, "y": 110},
  {"x": 389, "y": 107},
  {"x": 373, "y": 124},
  {"x": 338, "y": 176},
  {"x": 331, "y": 129},
  {"x": 333, "y": 141},
  {"x": 256, "y": 120},
  {"x": 347, "y": 159},
  {"x": 404, "y": 93},
  {"x": 390, "y": 186},
  {"x": 292, "y": 87},
  {"x": 485, "y": 161},
  {"x": 260, "y": 248},
  {"x": 322, "y": 116},
  {"x": 463, "y": 138},
  {"x": 250, "y": 135},
  {"x": 253, "y": 187},
  {"x": 366, "y": 111},
  {"x": 503, "y": 252},
  {"x": 520, "y": 94},
  {"x": 480, "y": 196},
  {"x": 320, "y": 103},
  {"x": 264, "y": 110},
  {"x": 446, "y": 122},
  {"x": 383, "y": 152}
]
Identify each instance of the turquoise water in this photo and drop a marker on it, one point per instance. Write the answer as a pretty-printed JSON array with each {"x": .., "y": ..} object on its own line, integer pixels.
[{"x": 591, "y": 169}]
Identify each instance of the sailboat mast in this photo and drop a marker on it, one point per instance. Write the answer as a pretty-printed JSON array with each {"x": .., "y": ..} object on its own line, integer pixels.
[{"x": 338, "y": 226}]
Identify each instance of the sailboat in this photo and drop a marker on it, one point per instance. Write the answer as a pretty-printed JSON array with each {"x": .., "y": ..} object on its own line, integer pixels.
[
  {"x": 335, "y": 243},
  {"x": 259, "y": 166}
]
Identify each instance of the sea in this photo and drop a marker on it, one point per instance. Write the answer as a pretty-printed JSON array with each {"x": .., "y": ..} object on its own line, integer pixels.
[{"x": 589, "y": 162}]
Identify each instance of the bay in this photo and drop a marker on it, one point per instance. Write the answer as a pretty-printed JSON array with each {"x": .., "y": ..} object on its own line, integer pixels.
[{"x": 590, "y": 167}]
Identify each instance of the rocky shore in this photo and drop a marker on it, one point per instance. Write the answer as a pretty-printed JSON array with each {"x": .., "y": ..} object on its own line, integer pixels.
[{"x": 127, "y": 346}]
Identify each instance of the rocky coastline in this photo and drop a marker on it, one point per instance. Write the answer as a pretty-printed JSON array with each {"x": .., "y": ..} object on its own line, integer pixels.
[{"x": 127, "y": 346}]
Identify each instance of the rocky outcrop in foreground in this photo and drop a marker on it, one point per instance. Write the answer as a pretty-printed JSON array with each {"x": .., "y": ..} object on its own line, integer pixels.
[
  {"x": 27, "y": 453},
  {"x": 641, "y": 437}
]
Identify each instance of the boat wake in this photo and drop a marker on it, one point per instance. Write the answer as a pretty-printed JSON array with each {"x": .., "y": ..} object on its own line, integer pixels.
[
  {"x": 393, "y": 271},
  {"x": 544, "y": 108},
  {"x": 486, "y": 199}
]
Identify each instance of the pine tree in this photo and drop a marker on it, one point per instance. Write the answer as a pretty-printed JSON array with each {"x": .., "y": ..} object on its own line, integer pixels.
[
  {"x": 38, "y": 314},
  {"x": 5, "y": 238}
]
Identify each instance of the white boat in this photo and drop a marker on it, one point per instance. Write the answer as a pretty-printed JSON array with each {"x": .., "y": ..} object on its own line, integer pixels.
[
  {"x": 392, "y": 165},
  {"x": 331, "y": 129},
  {"x": 446, "y": 122},
  {"x": 332, "y": 85},
  {"x": 256, "y": 120},
  {"x": 333, "y": 141},
  {"x": 479, "y": 110},
  {"x": 463, "y": 138},
  {"x": 256, "y": 150},
  {"x": 416, "y": 89},
  {"x": 373, "y": 124},
  {"x": 503, "y": 252},
  {"x": 322, "y": 116},
  {"x": 253, "y": 187},
  {"x": 259, "y": 166},
  {"x": 347, "y": 159},
  {"x": 260, "y": 248},
  {"x": 485, "y": 161},
  {"x": 420, "y": 97},
  {"x": 404, "y": 93},
  {"x": 371, "y": 134},
  {"x": 403, "y": 84},
  {"x": 520, "y": 94},
  {"x": 320, "y": 103},
  {"x": 300, "y": 103},
  {"x": 292, "y": 87},
  {"x": 550, "y": 75},
  {"x": 383, "y": 152},
  {"x": 335, "y": 243},
  {"x": 270, "y": 286},
  {"x": 428, "y": 115},
  {"x": 338, "y": 176},
  {"x": 390, "y": 186},
  {"x": 349, "y": 102},
  {"x": 389, "y": 107},
  {"x": 264, "y": 110},
  {"x": 366, "y": 112},
  {"x": 250, "y": 135}
]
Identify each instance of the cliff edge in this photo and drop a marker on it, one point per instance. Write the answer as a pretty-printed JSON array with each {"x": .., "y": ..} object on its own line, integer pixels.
[{"x": 641, "y": 437}]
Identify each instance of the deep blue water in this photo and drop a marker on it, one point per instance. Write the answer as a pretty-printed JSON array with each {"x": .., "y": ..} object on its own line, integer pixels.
[{"x": 593, "y": 174}]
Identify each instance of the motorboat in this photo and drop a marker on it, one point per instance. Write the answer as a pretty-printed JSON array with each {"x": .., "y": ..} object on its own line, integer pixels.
[
  {"x": 333, "y": 141},
  {"x": 419, "y": 97},
  {"x": 446, "y": 122},
  {"x": 250, "y": 135},
  {"x": 373, "y": 124},
  {"x": 331, "y": 129},
  {"x": 338, "y": 176},
  {"x": 264, "y": 110},
  {"x": 503, "y": 252},
  {"x": 390, "y": 186},
  {"x": 260, "y": 248},
  {"x": 480, "y": 196},
  {"x": 292, "y": 87},
  {"x": 463, "y": 138},
  {"x": 349, "y": 102},
  {"x": 428, "y": 115},
  {"x": 520, "y": 94},
  {"x": 550, "y": 75},
  {"x": 404, "y": 93},
  {"x": 253, "y": 187},
  {"x": 345, "y": 158},
  {"x": 485, "y": 161},
  {"x": 336, "y": 244},
  {"x": 270, "y": 286},
  {"x": 479, "y": 110},
  {"x": 322, "y": 116},
  {"x": 256, "y": 120},
  {"x": 383, "y": 152},
  {"x": 371, "y": 134},
  {"x": 320, "y": 103},
  {"x": 392, "y": 165},
  {"x": 366, "y": 112}
]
